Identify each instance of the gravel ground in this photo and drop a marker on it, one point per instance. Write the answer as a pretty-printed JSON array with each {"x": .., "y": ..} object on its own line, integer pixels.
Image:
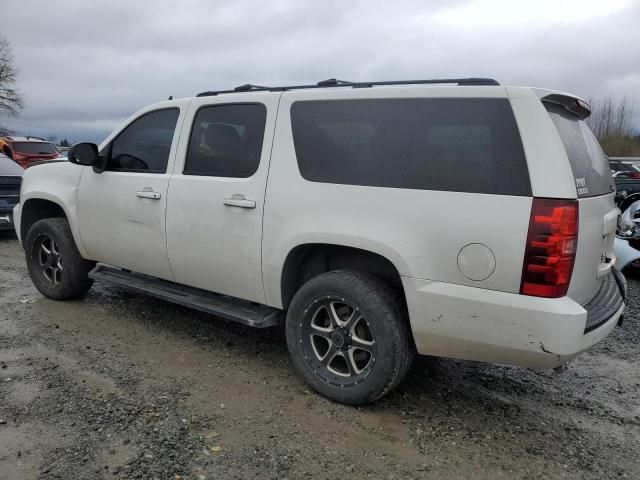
[{"x": 120, "y": 386}]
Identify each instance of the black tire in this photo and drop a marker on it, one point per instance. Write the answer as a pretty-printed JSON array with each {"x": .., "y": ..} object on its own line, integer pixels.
[
  {"x": 369, "y": 343},
  {"x": 61, "y": 274}
]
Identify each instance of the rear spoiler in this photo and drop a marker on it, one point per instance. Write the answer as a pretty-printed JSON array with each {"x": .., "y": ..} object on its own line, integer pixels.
[{"x": 577, "y": 106}]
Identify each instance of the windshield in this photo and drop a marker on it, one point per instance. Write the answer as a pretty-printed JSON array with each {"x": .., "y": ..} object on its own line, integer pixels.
[
  {"x": 589, "y": 164},
  {"x": 34, "y": 148}
]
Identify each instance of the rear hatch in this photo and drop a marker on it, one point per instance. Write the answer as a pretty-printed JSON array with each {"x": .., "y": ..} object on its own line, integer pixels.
[{"x": 595, "y": 188}]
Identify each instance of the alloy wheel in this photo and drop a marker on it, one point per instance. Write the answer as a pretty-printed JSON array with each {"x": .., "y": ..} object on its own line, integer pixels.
[
  {"x": 338, "y": 341},
  {"x": 49, "y": 259}
]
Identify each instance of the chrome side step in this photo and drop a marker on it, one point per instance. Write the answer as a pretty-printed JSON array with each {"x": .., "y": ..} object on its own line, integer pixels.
[{"x": 229, "y": 308}]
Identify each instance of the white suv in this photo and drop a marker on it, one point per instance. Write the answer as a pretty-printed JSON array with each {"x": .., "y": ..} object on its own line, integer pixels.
[{"x": 454, "y": 218}]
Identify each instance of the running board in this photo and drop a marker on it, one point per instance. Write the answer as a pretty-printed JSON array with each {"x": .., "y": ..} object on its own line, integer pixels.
[{"x": 229, "y": 308}]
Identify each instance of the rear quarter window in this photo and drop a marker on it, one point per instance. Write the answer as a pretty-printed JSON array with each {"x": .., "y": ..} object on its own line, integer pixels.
[
  {"x": 589, "y": 164},
  {"x": 461, "y": 145}
]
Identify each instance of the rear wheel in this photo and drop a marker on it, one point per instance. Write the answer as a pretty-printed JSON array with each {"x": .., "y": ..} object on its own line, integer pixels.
[
  {"x": 348, "y": 336},
  {"x": 55, "y": 266}
]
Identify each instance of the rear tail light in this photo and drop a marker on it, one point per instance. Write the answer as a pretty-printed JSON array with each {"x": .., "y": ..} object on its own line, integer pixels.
[
  {"x": 551, "y": 248},
  {"x": 19, "y": 156}
]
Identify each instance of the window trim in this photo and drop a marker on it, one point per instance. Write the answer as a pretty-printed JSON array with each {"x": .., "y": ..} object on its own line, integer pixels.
[
  {"x": 109, "y": 146},
  {"x": 191, "y": 129}
]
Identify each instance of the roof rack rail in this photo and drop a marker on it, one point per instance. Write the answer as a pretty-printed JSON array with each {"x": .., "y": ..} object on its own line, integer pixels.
[
  {"x": 249, "y": 88},
  {"x": 333, "y": 82}
]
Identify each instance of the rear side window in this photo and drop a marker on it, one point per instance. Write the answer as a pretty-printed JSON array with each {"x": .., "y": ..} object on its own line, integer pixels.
[
  {"x": 226, "y": 140},
  {"x": 590, "y": 166},
  {"x": 459, "y": 145}
]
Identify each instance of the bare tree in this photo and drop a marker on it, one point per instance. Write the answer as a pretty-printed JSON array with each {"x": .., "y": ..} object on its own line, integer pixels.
[
  {"x": 5, "y": 131},
  {"x": 611, "y": 118},
  {"x": 610, "y": 121},
  {"x": 10, "y": 99}
]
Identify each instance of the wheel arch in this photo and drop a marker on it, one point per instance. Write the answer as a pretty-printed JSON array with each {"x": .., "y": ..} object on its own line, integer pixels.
[
  {"x": 308, "y": 260},
  {"x": 39, "y": 207},
  {"x": 34, "y": 209}
]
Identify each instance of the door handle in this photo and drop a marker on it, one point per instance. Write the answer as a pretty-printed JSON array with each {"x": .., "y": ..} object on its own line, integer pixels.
[
  {"x": 239, "y": 201},
  {"x": 149, "y": 194}
]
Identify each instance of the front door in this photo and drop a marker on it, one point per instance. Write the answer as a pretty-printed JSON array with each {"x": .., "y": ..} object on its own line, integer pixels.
[
  {"x": 216, "y": 195},
  {"x": 121, "y": 211}
]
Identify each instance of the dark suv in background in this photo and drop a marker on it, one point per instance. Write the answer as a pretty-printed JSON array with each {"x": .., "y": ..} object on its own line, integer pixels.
[
  {"x": 27, "y": 150},
  {"x": 10, "y": 181}
]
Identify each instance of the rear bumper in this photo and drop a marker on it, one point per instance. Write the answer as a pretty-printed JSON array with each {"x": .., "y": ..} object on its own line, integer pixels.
[
  {"x": 470, "y": 323},
  {"x": 609, "y": 298}
]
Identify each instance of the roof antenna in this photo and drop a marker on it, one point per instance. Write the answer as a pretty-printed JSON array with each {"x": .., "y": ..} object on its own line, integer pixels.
[{"x": 170, "y": 97}]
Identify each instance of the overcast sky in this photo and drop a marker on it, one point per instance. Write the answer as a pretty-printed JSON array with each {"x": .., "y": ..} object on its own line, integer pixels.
[{"x": 87, "y": 65}]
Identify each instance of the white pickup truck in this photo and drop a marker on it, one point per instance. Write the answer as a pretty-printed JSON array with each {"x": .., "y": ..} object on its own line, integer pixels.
[{"x": 382, "y": 219}]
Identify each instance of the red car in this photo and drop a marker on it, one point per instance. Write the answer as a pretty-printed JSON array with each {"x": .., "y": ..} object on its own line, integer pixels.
[{"x": 27, "y": 150}]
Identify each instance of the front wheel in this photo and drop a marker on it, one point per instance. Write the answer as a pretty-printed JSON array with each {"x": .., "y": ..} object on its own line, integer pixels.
[
  {"x": 55, "y": 266},
  {"x": 348, "y": 336}
]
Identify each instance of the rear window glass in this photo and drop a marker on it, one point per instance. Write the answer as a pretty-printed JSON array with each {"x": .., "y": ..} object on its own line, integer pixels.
[
  {"x": 461, "y": 145},
  {"x": 590, "y": 165},
  {"x": 34, "y": 148}
]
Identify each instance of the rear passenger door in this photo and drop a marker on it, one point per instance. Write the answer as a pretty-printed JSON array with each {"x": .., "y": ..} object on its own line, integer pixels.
[{"x": 216, "y": 195}]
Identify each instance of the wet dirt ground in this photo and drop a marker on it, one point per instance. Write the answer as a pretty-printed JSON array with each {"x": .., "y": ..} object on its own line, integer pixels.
[{"x": 119, "y": 385}]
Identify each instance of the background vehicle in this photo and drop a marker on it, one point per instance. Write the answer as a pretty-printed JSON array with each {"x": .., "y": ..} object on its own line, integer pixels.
[
  {"x": 626, "y": 176},
  {"x": 10, "y": 181},
  {"x": 28, "y": 150},
  {"x": 627, "y": 243},
  {"x": 345, "y": 207},
  {"x": 626, "y": 183},
  {"x": 626, "y": 169}
]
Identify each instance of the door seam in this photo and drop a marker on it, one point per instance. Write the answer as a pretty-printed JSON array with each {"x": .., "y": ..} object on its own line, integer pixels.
[
  {"x": 166, "y": 201},
  {"x": 264, "y": 199}
]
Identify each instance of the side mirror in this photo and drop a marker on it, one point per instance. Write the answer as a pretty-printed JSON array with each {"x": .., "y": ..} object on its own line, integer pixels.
[{"x": 84, "y": 154}]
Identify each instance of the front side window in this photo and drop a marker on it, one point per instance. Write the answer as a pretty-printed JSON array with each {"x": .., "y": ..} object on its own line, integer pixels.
[
  {"x": 446, "y": 144},
  {"x": 226, "y": 140},
  {"x": 144, "y": 145}
]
